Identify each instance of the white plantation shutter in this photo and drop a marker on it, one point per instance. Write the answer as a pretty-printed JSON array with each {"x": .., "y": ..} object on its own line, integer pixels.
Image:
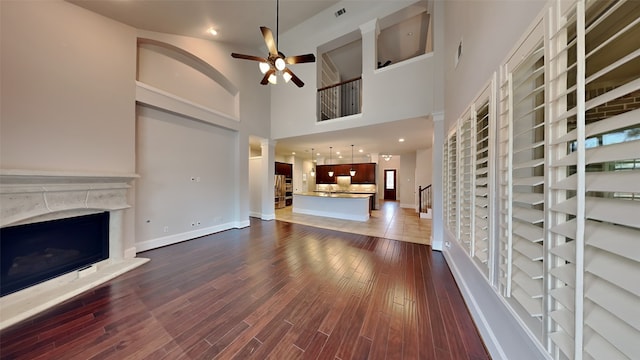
[
  {"x": 452, "y": 180},
  {"x": 446, "y": 187},
  {"x": 482, "y": 174},
  {"x": 522, "y": 165},
  {"x": 467, "y": 198},
  {"x": 596, "y": 182},
  {"x": 504, "y": 180},
  {"x": 567, "y": 180}
]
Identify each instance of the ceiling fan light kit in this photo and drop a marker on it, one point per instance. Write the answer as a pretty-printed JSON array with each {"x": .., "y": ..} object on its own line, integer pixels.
[{"x": 276, "y": 62}]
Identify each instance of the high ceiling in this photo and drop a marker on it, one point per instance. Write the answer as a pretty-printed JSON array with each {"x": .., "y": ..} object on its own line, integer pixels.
[{"x": 237, "y": 22}]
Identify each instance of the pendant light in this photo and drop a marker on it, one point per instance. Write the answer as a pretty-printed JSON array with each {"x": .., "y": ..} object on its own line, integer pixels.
[
  {"x": 331, "y": 169},
  {"x": 313, "y": 169},
  {"x": 352, "y": 171}
]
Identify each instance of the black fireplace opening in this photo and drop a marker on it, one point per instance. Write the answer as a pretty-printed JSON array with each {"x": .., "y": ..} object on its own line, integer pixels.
[{"x": 37, "y": 252}]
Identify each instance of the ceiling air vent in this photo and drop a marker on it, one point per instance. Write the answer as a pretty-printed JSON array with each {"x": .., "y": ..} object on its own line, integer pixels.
[{"x": 340, "y": 12}]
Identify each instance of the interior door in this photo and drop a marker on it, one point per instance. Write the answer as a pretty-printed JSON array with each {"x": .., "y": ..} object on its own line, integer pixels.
[{"x": 390, "y": 184}]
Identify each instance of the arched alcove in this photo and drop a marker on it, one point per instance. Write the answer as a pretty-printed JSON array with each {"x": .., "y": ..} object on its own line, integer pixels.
[{"x": 186, "y": 76}]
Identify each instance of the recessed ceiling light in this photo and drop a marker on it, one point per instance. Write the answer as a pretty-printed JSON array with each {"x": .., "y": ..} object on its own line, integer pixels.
[
  {"x": 337, "y": 152},
  {"x": 212, "y": 31},
  {"x": 360, "y": 150},
  {"x": 401, "y": 140},
  {"x": 340, "y": 157},
  {"x": 293, "y": 153},
  {"x": 318, "y": 154}
]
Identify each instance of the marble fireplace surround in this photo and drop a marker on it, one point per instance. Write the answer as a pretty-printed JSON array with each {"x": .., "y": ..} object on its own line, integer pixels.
[{"x": 32, "y": 196}]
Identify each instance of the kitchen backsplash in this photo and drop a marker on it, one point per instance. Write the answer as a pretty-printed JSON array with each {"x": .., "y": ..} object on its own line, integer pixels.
[{"x": 344, "y": 184}]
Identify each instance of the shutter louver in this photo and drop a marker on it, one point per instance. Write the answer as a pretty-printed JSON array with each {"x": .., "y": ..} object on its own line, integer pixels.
[
  {"x": 467, "y": 197},
  {"x": 595, "y": 182},
  {"x": 452, "y": 181},
  {"x": 482, "y": 226}
]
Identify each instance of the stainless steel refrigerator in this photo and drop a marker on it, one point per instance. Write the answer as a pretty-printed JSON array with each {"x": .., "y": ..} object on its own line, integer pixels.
[{"x": 280, "y": 191}]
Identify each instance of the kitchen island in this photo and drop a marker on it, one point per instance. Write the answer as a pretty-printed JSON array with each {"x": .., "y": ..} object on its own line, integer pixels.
[{"x": 345, "y": 206}]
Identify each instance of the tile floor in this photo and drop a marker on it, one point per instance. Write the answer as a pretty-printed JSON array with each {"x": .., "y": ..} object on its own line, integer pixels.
[{"x": 390, "y": 222}]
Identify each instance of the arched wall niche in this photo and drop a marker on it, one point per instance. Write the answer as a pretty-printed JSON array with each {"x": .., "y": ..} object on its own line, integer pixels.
[{"x": 184, "y": 75}]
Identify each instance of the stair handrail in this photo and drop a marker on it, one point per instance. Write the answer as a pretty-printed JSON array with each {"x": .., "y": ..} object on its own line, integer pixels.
[{"x": 425, "y": 205}]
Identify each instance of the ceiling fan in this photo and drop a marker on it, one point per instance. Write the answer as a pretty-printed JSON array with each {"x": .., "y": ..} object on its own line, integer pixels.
[{"x": 276, "y": 62}]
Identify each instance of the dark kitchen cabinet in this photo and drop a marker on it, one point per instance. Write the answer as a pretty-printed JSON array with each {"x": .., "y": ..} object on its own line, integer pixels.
[
  {"x": 322, "y": 174},
  {"x": 365, "y": 173}
]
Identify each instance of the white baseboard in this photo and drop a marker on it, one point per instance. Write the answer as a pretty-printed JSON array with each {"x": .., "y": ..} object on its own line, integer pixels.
[
  {"x": 176, "y": 238},
  {"x": 502, "y": 333},
  {"x": 242, "y": 224},
  {"x": 268, "y": 217},
  {"x": 407, "y": 206}
]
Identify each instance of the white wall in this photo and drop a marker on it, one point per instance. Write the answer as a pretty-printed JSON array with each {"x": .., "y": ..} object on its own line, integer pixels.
[
  {"x": 424, "y": 171},
  {"x": 407, "y": 181},
  {"x": 58, "y": 110},
  {"x": 182, "y": 177},
  {"x": 69, "y": 104},
  {"x": 60, "y": 69},
  {"x": 397, "y": 92},
  {"x": 488, "y": 30},
  {"x": 255, "y": 186}
]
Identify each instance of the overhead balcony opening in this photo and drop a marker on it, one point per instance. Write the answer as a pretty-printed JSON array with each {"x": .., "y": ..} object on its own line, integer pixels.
[
  {"x": 404, "y": 35},
  {"x": 340, "y": 77}
]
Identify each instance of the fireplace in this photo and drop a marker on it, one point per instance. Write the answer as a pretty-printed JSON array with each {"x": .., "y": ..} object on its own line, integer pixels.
[
  {"x": 33, "y": 253},
  {"x": 33, "y": 202}
]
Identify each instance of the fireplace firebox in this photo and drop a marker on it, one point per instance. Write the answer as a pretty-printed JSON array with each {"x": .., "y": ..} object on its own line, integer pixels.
[{"x": 36, "y": 252}]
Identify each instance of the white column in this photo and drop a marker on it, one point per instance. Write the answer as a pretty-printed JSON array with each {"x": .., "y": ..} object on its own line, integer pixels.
[
  {"x": 369, "y": 31},
  {"x": 437, "y": 225},
  {"x": 268, "y": 167}
]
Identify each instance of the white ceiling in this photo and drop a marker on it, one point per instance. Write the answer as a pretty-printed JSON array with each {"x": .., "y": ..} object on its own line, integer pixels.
[
  {"x": 238, "y": 22},
  {"x": 381, "y": 139}
]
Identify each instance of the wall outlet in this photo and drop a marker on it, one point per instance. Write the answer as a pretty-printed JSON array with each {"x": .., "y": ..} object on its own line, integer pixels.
[
  {"x": 198, "y": 223},
  {"x": 193, "y": 223},
  {"x": 166, "y": 229},
  {"x": 193, "y": 178},
  {"x": 197, "y": 178}
]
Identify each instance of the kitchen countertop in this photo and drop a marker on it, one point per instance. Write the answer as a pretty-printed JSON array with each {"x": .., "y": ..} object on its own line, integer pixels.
[{"x": 347, "y": 195}]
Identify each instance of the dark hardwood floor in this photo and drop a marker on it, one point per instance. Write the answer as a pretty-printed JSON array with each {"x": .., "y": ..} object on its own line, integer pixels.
[{"x": 273, "y": 290}]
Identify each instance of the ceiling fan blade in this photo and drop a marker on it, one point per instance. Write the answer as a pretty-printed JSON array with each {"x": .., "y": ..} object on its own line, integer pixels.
[
  {"x": 268, "y": 39},
  {"x": 265, "y": 79},
  {"x": 248, "y": 57},
  {"x": 296, "y": 80},
  {"x": 299, "y": 59}
]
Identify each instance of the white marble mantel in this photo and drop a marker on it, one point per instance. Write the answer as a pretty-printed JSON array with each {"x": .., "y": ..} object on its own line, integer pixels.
[{"x": 28, "y": 196}]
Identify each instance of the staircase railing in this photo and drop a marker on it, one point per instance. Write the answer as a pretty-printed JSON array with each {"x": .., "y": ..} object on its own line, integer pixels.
[
  {"x": 340, "y": 99},
  {"x": 424, "y": 198}
]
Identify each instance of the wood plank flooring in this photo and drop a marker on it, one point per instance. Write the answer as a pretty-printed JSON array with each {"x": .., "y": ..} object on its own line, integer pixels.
[{"x": 274, "y": 290}]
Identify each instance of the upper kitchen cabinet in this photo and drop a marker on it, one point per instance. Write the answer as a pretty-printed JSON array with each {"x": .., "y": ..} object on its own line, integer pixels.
[
  {"x": 322, "y": 174},
  {"x": 365, "y": 174}
]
